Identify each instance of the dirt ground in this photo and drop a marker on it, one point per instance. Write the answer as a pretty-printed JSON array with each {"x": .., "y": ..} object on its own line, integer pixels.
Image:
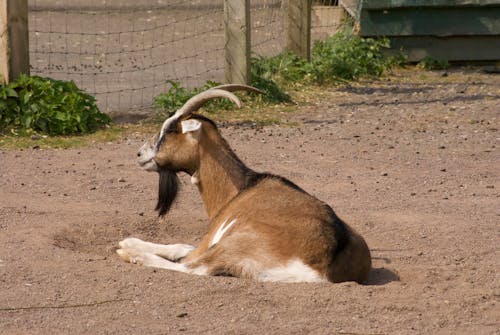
[{"x": 412, "y": 162}]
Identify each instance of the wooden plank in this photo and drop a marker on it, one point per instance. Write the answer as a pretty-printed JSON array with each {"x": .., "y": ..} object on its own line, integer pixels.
[
  {"x": 433, "y": 21},
  {"x": 14, "y": 47},
  {"x": 385, "y": 4},
  {"x": 352, "y": 7},
  {"x": 237, "y": 41},
  {"x": 459, "y": 48},
  {"x": 299, "y": 27}
]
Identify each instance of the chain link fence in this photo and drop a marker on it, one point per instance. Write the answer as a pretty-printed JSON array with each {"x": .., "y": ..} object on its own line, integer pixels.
[{"x": 124, "y": 51}]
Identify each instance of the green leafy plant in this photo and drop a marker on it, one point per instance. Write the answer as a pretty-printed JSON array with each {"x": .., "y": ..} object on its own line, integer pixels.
[
  {"x": 342, "y": 57},
  {"x": 263, "y": 76},
  {"x": 348, "y": 57},
  {"x": 48, "y": 106},
  {"x": 177, "y": 95},
  {"x": 285, "y": 68},
  {"x": 429, "y": 63}
]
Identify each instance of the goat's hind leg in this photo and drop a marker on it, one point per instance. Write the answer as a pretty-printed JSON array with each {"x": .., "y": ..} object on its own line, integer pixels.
[{"x": 172, "y": 252}]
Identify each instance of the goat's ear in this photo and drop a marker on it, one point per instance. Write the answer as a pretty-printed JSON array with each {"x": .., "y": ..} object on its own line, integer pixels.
[{"x": 191, "y": 125}]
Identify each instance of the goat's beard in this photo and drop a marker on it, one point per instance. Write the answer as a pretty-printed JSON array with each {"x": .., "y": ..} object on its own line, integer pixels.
[{"x": 167, "y": 191}]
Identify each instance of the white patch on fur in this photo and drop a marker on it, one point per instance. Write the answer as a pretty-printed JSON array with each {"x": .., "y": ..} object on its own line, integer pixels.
[
  {"x": 190, "y": 125},
  {"x": 295, "y": 271},
  {"x": 195, "y": 178},
  {"x": 223, "y": 228},
  {"x": 201, "y": 270}
]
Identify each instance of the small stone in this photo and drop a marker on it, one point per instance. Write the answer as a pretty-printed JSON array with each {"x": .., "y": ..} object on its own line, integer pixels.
[
  {"x": 121, "y": 180},
  {"x": 384, "y": 174},
  {"x": 182, "y": 315}
]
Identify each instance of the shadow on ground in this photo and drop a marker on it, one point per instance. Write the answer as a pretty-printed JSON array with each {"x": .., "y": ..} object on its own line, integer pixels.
[{"x": 381, "y": 276}]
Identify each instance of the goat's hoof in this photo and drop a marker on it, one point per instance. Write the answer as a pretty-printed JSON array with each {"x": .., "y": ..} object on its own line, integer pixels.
[
  {"x": 124, "y": 255},
  {"x": 129, "y": 256}
]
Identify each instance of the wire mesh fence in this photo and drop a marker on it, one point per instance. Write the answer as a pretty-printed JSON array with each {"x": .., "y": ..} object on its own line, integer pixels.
[
  {"x": 124, "y": 51},
  {"x": 327, "y": 18}
]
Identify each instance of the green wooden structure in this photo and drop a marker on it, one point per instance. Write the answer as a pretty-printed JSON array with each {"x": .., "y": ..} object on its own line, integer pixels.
[{"x": 454, "y": 30}]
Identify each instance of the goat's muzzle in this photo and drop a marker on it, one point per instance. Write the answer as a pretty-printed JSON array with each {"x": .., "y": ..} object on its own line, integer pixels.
[{"x": 145, "y": 158}]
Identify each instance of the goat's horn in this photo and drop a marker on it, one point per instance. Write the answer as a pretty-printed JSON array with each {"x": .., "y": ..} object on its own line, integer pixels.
[
  {"x": 238, "y": 87},
  {"x": 196, "y": 102}
]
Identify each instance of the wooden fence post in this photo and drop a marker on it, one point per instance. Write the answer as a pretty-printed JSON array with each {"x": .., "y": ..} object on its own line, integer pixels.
[
  {"x": 298, "y": 24},
  {"x": 237, "y": 41},
  {"x": 14, "y": 50}
]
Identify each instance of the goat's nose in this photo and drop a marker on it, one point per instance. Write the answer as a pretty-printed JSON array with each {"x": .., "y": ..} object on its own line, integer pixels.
[{"x": 138, "y": 154}]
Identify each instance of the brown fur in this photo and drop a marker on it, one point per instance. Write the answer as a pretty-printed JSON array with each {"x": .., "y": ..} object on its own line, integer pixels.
[{"x": 276, "y": 222}]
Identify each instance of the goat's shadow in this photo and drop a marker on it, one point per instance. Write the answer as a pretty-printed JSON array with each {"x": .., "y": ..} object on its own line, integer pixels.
[{"x": 381, "y": 276}]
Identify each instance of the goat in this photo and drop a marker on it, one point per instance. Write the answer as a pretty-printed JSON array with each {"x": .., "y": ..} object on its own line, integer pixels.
[{"x": 262, "y": 226}]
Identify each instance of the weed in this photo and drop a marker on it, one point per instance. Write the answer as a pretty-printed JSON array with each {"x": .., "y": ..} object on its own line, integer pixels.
[
  {"x": 429, "y": 63},
  {"x": 342, "y": 57},
  {"x": 263, "y": 72},
  {"x": 348, "y": 57}
]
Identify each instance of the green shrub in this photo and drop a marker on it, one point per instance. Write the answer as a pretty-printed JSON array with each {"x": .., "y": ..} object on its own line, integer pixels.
[
  {"x": 285, "y": 68},
  {"x": 177, "y": 95},
  {"x": 48, "y": 106},
  {"x": 429, "y": 63},
  {"x": 341, "y": 57},
  {"x": 263, "y": 72},
  {"x": 348, "y": 57}
]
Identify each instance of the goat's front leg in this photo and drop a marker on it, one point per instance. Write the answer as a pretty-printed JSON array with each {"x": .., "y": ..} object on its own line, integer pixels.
[
  {"x": 149, "y": 259},
  {"x": 154, "y": 255},
  {"x": 172, "y": 252}
]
